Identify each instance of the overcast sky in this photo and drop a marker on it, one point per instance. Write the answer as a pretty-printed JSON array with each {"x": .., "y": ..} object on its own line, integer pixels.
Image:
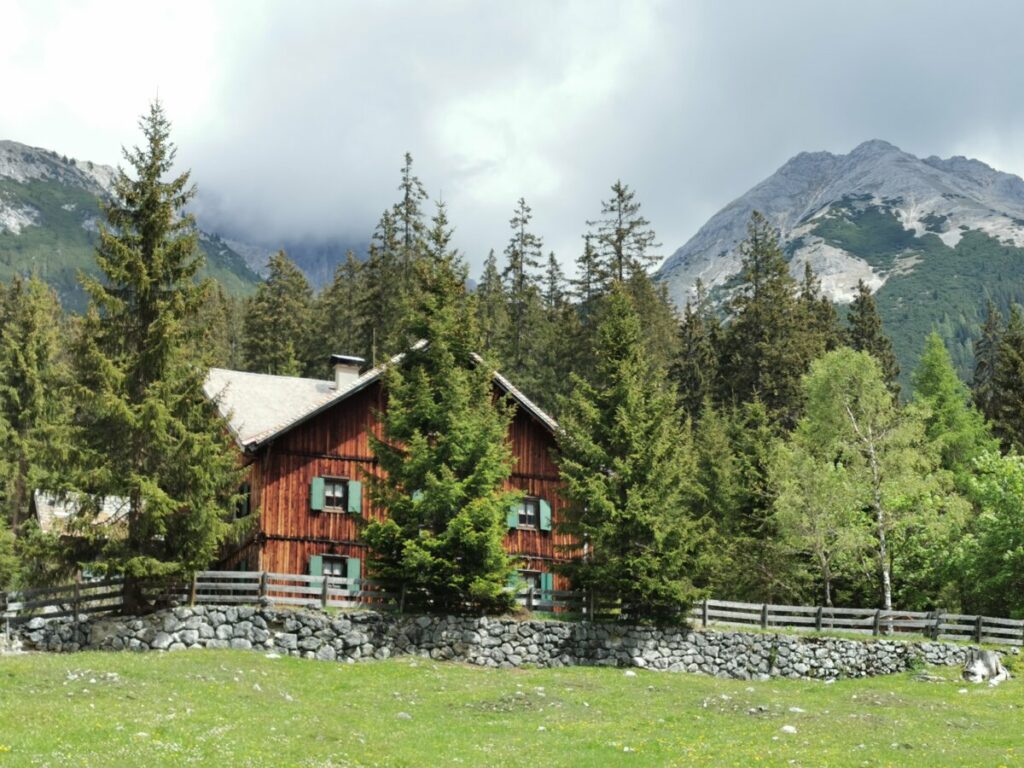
[{"x": 294, "y": 116}]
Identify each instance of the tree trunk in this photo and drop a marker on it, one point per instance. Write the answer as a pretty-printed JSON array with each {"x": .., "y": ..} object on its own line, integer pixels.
[{"x": 883, "y": 547}]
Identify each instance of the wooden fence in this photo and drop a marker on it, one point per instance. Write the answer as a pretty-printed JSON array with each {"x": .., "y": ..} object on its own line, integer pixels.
[
  {"x": 260, "y": 587},
  {"x": 868, "y": 621}
]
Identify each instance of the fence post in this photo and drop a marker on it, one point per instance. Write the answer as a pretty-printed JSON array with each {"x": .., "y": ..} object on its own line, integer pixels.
[
  {"x": 977, "y": 628},
  {"x": 817, "y": 618},
  {"x": 590, "y": 604},
  {"x": 937, "y": 625},
  {"x": 264, "y": 585},
  {"x": 704, "y": 613},
  {"x": 764, "y": 616},
  {"x": 401, "y": 600},
  {"x": 323, "y": 592},
  {"x": 878, "y": 622},
  {"x": 75, "y": 600},
  {"x": 529, "y": 598},
  {"x": 192, "y": 596}
]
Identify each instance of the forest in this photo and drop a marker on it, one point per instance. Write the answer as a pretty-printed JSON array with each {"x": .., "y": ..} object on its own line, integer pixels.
[{"x": 753, "y": 449}]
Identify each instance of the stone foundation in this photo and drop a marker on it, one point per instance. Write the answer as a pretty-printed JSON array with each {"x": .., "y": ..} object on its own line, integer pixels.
[{"x": 490, "y": 642}]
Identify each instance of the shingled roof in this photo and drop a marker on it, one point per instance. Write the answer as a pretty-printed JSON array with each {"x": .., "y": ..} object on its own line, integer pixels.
[{"x": 260, "y": 407}]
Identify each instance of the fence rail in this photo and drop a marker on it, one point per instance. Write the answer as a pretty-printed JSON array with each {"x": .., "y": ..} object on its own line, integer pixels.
[{"x": 256, "y": 587}]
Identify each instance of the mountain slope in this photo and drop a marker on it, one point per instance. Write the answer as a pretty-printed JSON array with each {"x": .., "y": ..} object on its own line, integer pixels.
[
  {"x": 933, "y": 238},
  {"x": 49, "y": 215}
]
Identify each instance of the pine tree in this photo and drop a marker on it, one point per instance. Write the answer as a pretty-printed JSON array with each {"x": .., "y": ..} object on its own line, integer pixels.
[
  {"x": 986, "y": 357},
  {"x": 34, "y": 407},
  {"x": 147, "y": 433},
  {"x": 555, "y": 352},
  {"x": 951, "y": 421},
  {"x": 444, "y": 457},
  {"x": 865, "y": 334},
  {"x": 1008, "y": 383},
  {"x": 627, "y": 465},
  {"x": 695, "y": 372},
  {"x": 623, "y": 237},
  {"x": 381, "y": 301},
  {"x": 278, "y": 321}
]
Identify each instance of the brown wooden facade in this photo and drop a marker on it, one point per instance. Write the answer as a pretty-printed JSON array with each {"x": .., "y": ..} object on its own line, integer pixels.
[{"x": 335, "y": 444}]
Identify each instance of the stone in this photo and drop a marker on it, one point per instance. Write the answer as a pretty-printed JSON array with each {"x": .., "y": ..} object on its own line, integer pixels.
[{"x": 161, "y": 642}]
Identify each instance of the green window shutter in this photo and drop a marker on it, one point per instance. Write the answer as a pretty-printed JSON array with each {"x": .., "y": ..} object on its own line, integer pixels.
[
  {"x": 547, "y": 585},
  {"x": 316, "y": 494},
  {"x": 316, "y": 565},
  {"x": 545, "y": 515},
  {"x": 355, "y": 497},
  {"x": 352, "y": 571},
  {"x": 513, "y": 580},
  {"x": 512, "y": 518}
]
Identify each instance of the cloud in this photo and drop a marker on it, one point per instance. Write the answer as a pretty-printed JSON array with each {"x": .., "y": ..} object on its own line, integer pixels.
[{"x": 294, "y": 117}]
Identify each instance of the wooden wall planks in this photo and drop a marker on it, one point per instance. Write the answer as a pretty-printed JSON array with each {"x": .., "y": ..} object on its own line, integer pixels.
[{"x": 336, "y": 444}]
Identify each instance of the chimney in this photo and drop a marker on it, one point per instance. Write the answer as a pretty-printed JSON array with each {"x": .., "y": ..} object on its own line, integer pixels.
[{"x": 346, "y": 369}]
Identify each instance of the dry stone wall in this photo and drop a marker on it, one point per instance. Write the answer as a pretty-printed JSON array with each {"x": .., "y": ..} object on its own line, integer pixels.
[{"x": 490, "y": 642}]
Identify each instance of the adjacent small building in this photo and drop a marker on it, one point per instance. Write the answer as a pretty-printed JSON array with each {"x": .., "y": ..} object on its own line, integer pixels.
[{"x": 306, "y": 445}]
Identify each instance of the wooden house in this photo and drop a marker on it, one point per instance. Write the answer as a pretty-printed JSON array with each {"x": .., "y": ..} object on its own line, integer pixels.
[{"x": 306, "y": 444}]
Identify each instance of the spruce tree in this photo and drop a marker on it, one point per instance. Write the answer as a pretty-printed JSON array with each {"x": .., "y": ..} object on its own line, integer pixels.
[
  {"x": 951, "y": 421},
  {"x": 34, "y": 406},
  {"x": 1008, "y": 383},
  {"x": 336, "y": 311},
  {"x": 986, "y": 356},
  {"x": 695, "y": 371},
  {"x": 491, "y": 309},
  {"x": 767, "y": 346},
  {"x": 627, "y": 465},
  {"x": 444, "y": 457},
  {"x": 523, "y": 255},
  {"x": 623, "y": 238},
  {"x": 865, "y": 334},
  {"x": 819, "y": 315},
  {"x": 278, "y": 321},
  {"x": 146, "y": 432}
]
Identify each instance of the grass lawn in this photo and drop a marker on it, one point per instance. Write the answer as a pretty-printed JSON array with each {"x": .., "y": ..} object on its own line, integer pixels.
[{"x": 239, "y": 708}]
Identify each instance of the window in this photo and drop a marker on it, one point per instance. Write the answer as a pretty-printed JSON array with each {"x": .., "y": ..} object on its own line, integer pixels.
[
  {"x": 242, "y": 508},
  {"x": 529, "y": 512},
  {"x": 531, "y": 579},
  {"x": 333, "y": 565},
  {"x": 335, "y": 494}
]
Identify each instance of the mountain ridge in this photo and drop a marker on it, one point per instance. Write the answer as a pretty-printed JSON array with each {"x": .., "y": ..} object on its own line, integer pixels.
[{"x": 933, "y": 237}]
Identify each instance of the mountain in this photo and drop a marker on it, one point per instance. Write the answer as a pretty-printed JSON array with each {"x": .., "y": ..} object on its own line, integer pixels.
[
  {"x": 49, "y": 215},
  {"x": 934, "y": 238}
]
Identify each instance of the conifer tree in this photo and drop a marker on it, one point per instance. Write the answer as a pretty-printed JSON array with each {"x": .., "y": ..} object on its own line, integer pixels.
[
  {"x": 34, "y": 407},
  {"x": 1008, "y": 383},
  {"x": 586, "y": 284},
  {"x": 381, "y": 301},
  {"x": 819, "y": 313},
  {"x": 696, "y": 370},
  {"x": 627, "y": 464},
  {"x": 865, "y": 334},
  {"x": 951, "y": 421},
  {"x": 491, "y": 309},
  {"x": 986, "y": 356},
  {"x": 278, "y": 319},
  {"x": 767, "y": 347},
  {"x": 220, "y": 323},
  {"x": 336, "y": 311},
  {"x": 623, "y": 238},
  {"x": 523, "y": 254},
  {"x": 444, "y": 457},
  {"x": 147, "y": 433}
]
